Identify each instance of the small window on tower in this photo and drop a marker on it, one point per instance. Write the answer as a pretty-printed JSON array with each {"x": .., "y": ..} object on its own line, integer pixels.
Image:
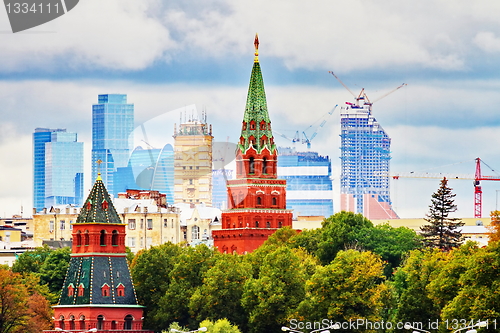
[
  {"x": 71, "y": 290},
  {"x": 251, "y": 164},
  {"x": 120, "y": 290},
  {"x": 81, "y": 290},
  {"x": 105, "y": 290}
]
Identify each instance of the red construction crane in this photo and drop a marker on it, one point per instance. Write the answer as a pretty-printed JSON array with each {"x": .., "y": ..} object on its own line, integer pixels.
[
  {"x": 478, "y": 192},
  {"x": 362, "y": 95}
]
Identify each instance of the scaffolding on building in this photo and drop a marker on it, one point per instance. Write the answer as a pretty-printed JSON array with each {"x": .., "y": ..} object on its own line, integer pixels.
[{"x": 365, "y": 155}]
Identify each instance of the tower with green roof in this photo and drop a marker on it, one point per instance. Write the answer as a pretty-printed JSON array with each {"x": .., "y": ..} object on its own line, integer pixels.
[
  {"x": 98, "y": 292},
  {"x": 257, "y": 198}
]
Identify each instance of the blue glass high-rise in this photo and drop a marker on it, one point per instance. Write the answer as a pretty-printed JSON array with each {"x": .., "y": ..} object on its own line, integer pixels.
[
  {"x": 309, "y": 188},
  {"x": 153, "y": 169},
  {"x": 112, "y": 125},
  {"x": 57, "y": 168}
]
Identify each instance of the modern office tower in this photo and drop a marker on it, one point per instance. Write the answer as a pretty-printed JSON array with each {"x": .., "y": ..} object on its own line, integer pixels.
[
  {"x": 40, "y": 137},
  {"x": 257, "y": 198},
  {"x": 57, "y": 168},
  {"x": 112, "y": 142},
  {"x": 365, "y": 157},
  {"x": 193, "y": 161},
  {"x": 153, "y": 169},
  {"x": 309, "y": 190}
]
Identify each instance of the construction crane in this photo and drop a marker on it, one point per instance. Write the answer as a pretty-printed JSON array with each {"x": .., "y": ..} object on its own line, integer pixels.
[
  {"x": 362, "y": 95},
  {"x": 478, "y": 192},
  {"x": 296, "y": 138},
  {"x": 305, "y": 139},
  {"x": 477, "y": 178}
]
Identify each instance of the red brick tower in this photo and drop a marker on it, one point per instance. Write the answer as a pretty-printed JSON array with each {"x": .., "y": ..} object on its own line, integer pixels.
[
  {"x": 98, "y": 292},
  {"x": 257, "y": 199}
]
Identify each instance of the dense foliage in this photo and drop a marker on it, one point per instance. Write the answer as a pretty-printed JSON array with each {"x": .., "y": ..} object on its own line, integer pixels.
[
  {"x": 290, "y": 276},
  {"x": 348, "y": 270}
]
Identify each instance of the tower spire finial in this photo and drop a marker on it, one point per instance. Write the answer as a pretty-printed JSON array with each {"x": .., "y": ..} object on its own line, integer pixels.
[
  {"x": 99, "y": 161},
  {"x": 256, "y": 43}
]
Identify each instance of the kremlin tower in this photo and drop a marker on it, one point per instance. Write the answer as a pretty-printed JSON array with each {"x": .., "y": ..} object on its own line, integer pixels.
[
  {"x": 98, "y": 293},
  {"x": 257, "y": 198}
]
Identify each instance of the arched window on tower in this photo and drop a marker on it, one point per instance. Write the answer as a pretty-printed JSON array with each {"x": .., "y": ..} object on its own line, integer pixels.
[
  {"x": 127, "y": 325},
  {"x": 103, "y": 238},
  {"x": 72, "y": 322},
  {"x": 268, "y": 224},
  {"x": 86, "y": 238},
  {"x": 264, "y": 166},
  {"x": 100, "y": 322},
  {"x": 275, "y": 201},
  {"x": 259, "y": 201},
  {"x": 61, "y": 322},
  {"x": 114, "y": 238},
  {"x": 82, "y": 322},
  {"x": 78, "y": 238},
  {"x": 251, "y": 166}
]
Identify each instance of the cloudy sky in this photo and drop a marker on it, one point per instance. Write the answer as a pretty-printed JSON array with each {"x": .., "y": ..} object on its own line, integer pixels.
[{"x": 170, "y": 54}]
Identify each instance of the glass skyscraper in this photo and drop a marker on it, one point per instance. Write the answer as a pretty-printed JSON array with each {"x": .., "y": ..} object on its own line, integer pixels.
[
  {"x": 365, "y": 160},
  {"x": 219, "y": 187},
  {"x": 112, "y": 142},
  {"x": 57, "y": 168},
  {"x": 153, "y": 169},
  {"x": 309, "y": 189}
]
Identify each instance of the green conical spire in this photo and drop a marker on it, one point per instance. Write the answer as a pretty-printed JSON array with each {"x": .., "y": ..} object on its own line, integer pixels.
[
  {"x": 98, "y": 208},
  {"x": 256, "y": 109}
]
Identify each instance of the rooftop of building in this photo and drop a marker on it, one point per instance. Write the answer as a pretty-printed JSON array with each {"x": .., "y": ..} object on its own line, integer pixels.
[{"x": 206, "y": 213}]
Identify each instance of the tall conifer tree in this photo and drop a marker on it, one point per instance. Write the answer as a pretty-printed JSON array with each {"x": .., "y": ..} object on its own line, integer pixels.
[{"x": 443, "y": 231}]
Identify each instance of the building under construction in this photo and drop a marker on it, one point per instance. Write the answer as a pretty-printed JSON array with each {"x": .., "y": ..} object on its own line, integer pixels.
[
  {"x": 365, "y": 155},
  {"x": 365, "y": 158}
]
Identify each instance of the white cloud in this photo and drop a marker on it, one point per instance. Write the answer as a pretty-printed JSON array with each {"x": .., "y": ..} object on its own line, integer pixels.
[
  {"x": 340, "y": 35},
  {"x": 116, "y": 34},
  {"x": 487, "y": 41}
]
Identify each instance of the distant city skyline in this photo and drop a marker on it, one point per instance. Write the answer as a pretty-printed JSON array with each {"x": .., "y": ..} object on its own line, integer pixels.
[
  {"x": 167, "y": 55},
  {"x": 58, "y": 177}
]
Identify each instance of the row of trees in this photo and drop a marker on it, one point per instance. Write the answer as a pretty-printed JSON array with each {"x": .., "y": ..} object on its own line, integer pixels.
[
  {"x": 280, "y": 283},
  {"x": 349, "y": 269},
  {"x": 337, "y": 272}
]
